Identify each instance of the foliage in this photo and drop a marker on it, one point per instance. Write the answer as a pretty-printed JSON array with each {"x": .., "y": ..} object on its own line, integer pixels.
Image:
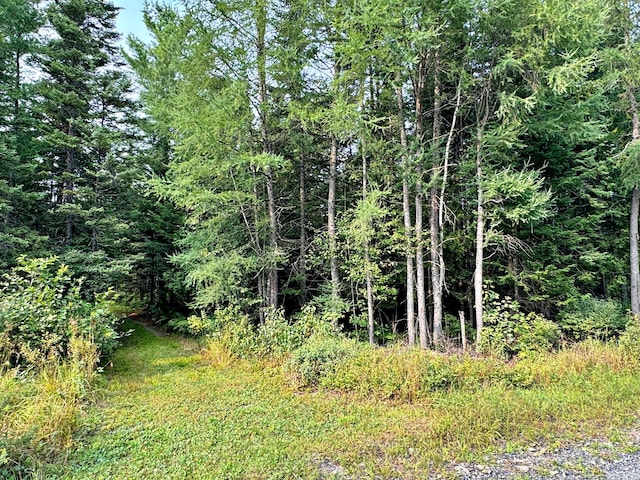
[
  {"x": 511, "y": 332},
  {"x": 240, "y": 419},
  {"x": 41, "y": 411},
  {"x": 42, "y": 312},
  {"x": 630, "y": 339},
  {"x": 275, "y": 338},
  {"x": 318, "y": 358},
  {"x": 589, "y": 317}
]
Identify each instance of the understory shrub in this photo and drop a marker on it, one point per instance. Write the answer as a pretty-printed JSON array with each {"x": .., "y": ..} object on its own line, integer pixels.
[
  {"x": 315, "y": 360},
  {"x": 392, "y": 373},
  {"x": 590, "y": 317},
  {"x": 630, "y": 340},
  {"x": 510, "y": 332},
  {"x": 231, "y": 329},
  {"x": 41, "y": 310},
  {"x": 51, "y": 340}
]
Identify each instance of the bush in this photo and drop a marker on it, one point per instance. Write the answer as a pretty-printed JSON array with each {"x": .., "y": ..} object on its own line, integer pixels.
[
  {"x": 589, "y": 317},
  {"x": 317, "y": 358},
  {"x": 41, "y": 310},
  {"x": 511, "y": 332},
  {"x": 630, "y": 340},
  {"x": 232, "y": 330},
  {"x": 392, "y": 373}
]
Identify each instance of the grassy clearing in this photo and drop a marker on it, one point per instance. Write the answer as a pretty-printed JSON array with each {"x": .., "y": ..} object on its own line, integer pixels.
[{"x": 168, "y": 413}]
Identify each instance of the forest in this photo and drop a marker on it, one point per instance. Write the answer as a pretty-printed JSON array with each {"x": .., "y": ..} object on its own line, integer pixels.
[{"x": 446, "y": 181}]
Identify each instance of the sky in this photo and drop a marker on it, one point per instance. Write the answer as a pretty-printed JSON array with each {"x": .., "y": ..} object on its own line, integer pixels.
[{"x": 130, "y": 19}]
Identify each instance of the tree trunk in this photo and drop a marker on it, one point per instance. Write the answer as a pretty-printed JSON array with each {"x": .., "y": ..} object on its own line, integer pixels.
[
  {"x": 261, "y": 59},
  {"x": 434, "y": 226},
  {"x": 406, "y": 210},
  {"x": 273, "y": 241},
  {"x": 635, "y": 206},
  {"x": 367, "y": 258},
  {"x": 633, "y": 242},
  {"x": 302, "y": 263},
  {"x": 331, "y": 219},
  {"x": 478, "y": 275},
  {"x": 420, "y": 280}
]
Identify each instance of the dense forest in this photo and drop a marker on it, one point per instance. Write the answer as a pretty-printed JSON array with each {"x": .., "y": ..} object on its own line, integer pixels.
[
  {"x": 403, "y": 167},
  {"x": 429, "y": 206}
]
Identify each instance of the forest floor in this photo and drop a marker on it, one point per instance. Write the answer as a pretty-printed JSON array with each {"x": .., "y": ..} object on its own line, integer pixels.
[{"x": 168, "y": 413}]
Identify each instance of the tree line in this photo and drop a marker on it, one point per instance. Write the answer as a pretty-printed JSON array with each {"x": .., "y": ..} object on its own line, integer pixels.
[{"x": 400, "y": 165}]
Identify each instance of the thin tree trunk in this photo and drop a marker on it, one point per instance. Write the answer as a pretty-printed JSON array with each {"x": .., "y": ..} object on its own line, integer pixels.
[
  {"x": 420, "y": 280},
  {"x": 16, "y": 101},
  {"x": 480, "y": 220},
  {"x": 331, "y": 219},
  {"x": 261, "y": 57},
  {"x": 367, "y": 258},
  {"x": 477, "y": 280},
  {"x": 273, "y": 241},
  {"x": 259, "y": 248},
  {"x": 635, "y": 207},
  {"x": 406, "y": 210},
  {"x": 434, "y": 226},
  {"x": 633, "y": 242},
  {"x": 302, "y": 263}
]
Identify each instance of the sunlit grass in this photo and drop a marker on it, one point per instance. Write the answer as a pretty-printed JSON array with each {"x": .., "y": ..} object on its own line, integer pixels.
[{"x": 168, "y": 413}]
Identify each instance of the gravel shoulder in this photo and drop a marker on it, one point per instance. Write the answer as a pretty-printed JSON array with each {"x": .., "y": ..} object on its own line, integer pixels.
[{"x": 594, "y": 459}]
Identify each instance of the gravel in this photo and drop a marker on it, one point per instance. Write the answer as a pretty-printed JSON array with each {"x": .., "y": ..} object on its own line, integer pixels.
[{"x": 595, "y": 459}]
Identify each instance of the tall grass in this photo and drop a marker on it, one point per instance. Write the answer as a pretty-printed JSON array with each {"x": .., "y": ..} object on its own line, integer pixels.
[{"x": 41, "y": 409}]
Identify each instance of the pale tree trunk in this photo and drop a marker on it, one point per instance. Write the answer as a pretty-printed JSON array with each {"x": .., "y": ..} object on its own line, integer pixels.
[
  {"x": 480, "y": 221},
  {"x": 633, "y": 245},
  {"x": 262, "y": 294},
  {"x": 635, "y": 207},
  {"x": 302, "y": 263},
  {"x": 331, "y": 219},
  {"x": 434, "y": 226},
  {"x": 406, "y": 210},
  {"x": 261, "y": 57},
  {"x": 445, "y": 176},
  {"x": 273, "y": 241},
  {"x": 367, "y": 258},
  {"x": 420, "y": 280}
]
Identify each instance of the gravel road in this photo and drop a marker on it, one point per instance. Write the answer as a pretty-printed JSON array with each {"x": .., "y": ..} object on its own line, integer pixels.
[
  {"x": 596, "y": 459},
  {"x": 593, "y": 459}
]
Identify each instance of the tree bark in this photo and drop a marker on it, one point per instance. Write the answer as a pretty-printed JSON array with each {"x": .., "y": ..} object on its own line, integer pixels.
[
  {"x": 480, "y": 220},
  {"x": 633, "y": 242},
  {"x": 406, "y": 210},
  {"x": 420, "y": 280},
  {"x": 434, "y": 225},
  {"x": 635, "y": 207},
  {"x": 367, "y": 259},
  {"x": 302, "y": 262},
  {"x": 261, "y": 58},
  {"x": 331, "y": 219}
]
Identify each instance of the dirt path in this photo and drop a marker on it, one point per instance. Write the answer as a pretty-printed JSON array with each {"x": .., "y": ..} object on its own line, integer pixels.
[{"x": 146, "y": 324}]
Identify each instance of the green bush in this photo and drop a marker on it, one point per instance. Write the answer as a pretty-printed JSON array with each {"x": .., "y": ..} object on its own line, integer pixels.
[
  {"x": 630, "y": 339},
  {"x": 589, "y": 317},
  {"x": 317, "y": 358},
  {"x": 41, "y": 310},
  {"x": 232, "y": 330},
  {"x": 509, "y": 331},
  {"x": 391, "y": 373}
]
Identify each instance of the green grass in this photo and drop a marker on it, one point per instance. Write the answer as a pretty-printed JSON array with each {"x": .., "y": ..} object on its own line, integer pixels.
[{"x": 168, "y": 414}]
